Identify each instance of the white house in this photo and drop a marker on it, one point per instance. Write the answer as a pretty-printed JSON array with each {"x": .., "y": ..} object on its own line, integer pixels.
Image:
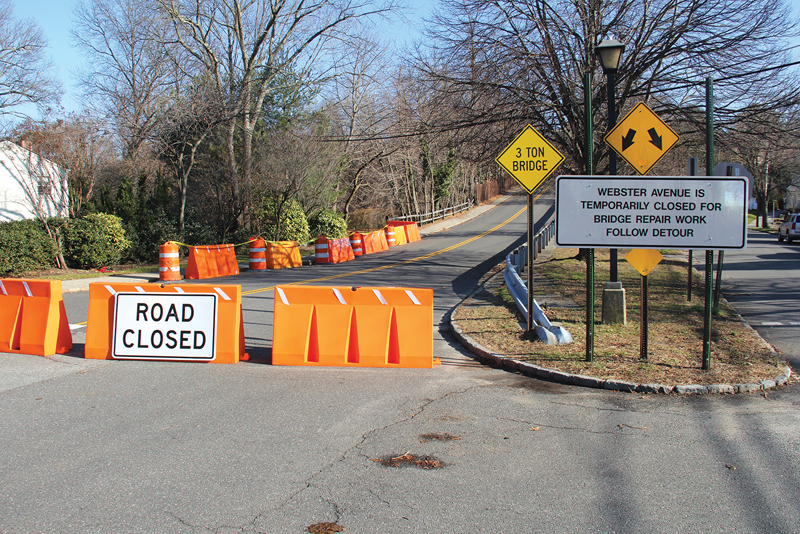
[
  {"x": 30, "y": 186},
  {"x": 792, "y": 201}
]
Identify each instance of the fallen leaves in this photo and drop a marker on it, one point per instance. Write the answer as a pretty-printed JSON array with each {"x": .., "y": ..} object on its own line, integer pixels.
[
  {"x": 325, "y": 528},
  {"x": 409, "y": 460}
]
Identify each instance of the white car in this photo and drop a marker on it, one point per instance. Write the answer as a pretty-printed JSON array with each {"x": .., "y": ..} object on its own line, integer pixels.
[{"x": 790, "y": 229}]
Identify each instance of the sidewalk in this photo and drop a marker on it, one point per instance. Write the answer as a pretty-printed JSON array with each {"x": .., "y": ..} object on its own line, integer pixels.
[{"x": 462, "y": 217}]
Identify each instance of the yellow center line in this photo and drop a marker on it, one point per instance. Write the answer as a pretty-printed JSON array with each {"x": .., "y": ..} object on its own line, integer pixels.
[{"x": 397, "y": 264}]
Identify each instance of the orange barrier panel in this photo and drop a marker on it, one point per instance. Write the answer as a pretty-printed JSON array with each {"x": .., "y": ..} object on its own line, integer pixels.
[
  {"x": 375, "y": 242},
  {"x": 353, "y": 327},
  {"x": 411, "y": 229},
  {"x": 211, "y": 261},
  {"x": 283, "y": 254},
  {"x": 321, "y": 254},
  {"x": 257, "y": 254},
  {"x": 33, "y": 319},
  {"x": 390, "y": 237},
  {"x": 163, "y": 327},
  {"x": 399, "y": 236},
  {"x": 341, "y": 250},
  {"x": 356, "y": 242},
  {"x": 169, "y": 262}
]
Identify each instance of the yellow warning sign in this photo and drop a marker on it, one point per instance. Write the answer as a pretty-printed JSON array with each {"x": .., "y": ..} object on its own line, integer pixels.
[
  {"x": 644, "y": 260},
  {"x": 641, "y": 138},
  {"x": 530, "y": 159}
]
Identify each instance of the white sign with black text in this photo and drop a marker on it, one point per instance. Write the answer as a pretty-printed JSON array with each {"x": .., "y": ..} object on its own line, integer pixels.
[
  {"x": 158, "y": 326},
  {"x": 700, "y": 212}
]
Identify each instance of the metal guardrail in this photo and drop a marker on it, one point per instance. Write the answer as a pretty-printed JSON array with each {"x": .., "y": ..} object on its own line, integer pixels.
[
  {"x": 424, "y": 218},
  {"x": 516, "y": 262}
]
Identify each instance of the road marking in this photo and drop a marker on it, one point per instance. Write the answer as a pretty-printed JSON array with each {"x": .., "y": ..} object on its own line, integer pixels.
[
  {"x": 405, "y": 262},
  {"x": 779, "y": 323},
  {"x": 76, "y": 326}
]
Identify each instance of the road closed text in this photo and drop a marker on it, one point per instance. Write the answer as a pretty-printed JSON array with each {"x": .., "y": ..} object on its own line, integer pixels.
[
  {"x": 164, "y": 326},
  {"x": 656, "y": 212}
]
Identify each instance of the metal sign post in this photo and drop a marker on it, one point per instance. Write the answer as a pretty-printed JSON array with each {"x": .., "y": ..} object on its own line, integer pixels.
[{"x": 530, "y": 159}]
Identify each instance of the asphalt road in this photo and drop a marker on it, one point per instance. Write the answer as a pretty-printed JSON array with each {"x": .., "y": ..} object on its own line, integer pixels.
[
  {"x": 763, "y": 283},
  {"x": 127, "y": 446}
]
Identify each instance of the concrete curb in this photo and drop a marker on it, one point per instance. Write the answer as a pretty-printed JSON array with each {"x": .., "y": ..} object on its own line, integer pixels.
[{"x": 552, "y": 375}]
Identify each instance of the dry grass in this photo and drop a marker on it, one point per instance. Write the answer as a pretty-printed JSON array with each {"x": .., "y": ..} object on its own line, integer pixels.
[{"x": 738, "y": 353}]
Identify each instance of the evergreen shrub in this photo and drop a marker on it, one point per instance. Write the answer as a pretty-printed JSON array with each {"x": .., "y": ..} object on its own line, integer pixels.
[
  {"x": 328, "y": 223},
  {"x": 25, "y": 246}
]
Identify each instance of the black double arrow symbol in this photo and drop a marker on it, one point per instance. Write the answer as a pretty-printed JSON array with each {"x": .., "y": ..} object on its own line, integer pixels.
[{"x": 627, "y": 141}]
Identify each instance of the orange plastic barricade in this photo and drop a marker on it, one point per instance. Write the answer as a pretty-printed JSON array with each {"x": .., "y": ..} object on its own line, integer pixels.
[
  {"x": 33, "y": 319},
  {"x": 169, "y": 262},
  {"x": 211, "y": 261},
  {"x": 399, "y": 236},
  {"x": 356, "y": 242},
  {"x": 283, "y": 254},
  {"x": 353, "y": 327},
  {"x": 321, "y": 250},
  {"x": 411, "y": 229},
  {"x": 163, "y": 324},
  {"x": 375, "y": 242},
  {"x": 341, "y": 250},
  {"x": 257, "y": 254}
]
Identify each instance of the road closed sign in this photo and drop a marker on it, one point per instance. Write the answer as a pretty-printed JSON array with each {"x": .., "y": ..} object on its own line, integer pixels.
[
  {"x": 703, "y": 212},
  {"x": 158, "y": 326}
]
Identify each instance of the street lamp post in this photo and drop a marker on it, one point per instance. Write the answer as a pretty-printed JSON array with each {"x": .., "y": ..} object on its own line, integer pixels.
[
  {"x": 614, "y": 308},
  {"x": 610, "y": 52}
]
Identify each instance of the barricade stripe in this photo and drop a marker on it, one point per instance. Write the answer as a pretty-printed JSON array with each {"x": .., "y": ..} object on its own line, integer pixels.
[
  {"x": 322, "y": 255},
  {"x": 139, "y": 289},
  {"x": 339, "y": 295},
  {"x": 3, "y": 288},
  {"x": 380, "y": 297},
  {"x": 258, "y": 260},
  {"x": 168, "y": 254},
  {"x": 179, "y": 290},
  {"x": 27, "y": 288},
  {"x": 257, "y": 249},
  {"x": 110, "y": 290},
  {"x": 221, "y": 293},
  {"x": 282, "y": 295},
  {"x": 413, "y": 297}
]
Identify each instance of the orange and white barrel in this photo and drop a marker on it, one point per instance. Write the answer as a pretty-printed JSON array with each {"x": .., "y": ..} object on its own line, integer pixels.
[
  {"x": 169, "y": 262},
  {"x": 390, "y": 237},
  {"x": 356, "y": 242},
  {"x": 258, "y": 254},
  {"x": 321, "y": 252}
]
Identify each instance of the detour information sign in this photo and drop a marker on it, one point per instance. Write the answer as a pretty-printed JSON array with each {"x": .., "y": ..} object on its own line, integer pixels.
[
  {"x": 158, "y": 326},
  {"x": 702, "y": 212}
]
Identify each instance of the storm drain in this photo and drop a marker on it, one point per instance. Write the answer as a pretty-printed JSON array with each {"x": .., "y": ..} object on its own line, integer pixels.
[{"x": 409, "y": 460}]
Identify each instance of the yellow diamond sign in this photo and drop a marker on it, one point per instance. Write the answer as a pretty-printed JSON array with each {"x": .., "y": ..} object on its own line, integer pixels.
[
  {"x": 641, "y": 138},
  {"x": 530, "y": 159},
  {"x": 643, "y": 259}
]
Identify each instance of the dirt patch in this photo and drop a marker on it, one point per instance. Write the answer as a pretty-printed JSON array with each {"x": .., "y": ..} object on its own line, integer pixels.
[
  {"x": 738, "y": 354},
  {"x": 424, "y": 438},
  {"x": 325, "y": 528},
  {"x": 409, "y": 460}
]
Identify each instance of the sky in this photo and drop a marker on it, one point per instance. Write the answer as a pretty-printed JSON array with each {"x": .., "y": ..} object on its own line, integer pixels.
[{"x": 55, "y": 18}]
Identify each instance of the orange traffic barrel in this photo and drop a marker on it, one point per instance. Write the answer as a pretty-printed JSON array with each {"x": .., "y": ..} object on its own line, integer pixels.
[
  {"x": 390, "y": 237},
  {"x": 321, "y": 252},
  {"x": 356, "y": 240},
  {"x": 169, "y": 264},
  {"x": 258, "y": 254}
]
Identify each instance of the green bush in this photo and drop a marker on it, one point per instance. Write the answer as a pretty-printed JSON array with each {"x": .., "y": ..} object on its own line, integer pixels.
[
  {"x": 25, "y": 246},
  {"x": 293, "y": 227},
  {"x": 328, "y": 223},
  {"x": 147, "y": 232},
  {"x": 94, "y": 240}
]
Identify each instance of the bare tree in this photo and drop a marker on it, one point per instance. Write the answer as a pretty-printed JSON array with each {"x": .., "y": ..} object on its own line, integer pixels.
[
  {"x": 250, "y": 49},
  {"x": 498, "y": 65},
  {"x": 25, "y": 70},
  {"x": 131, "y": 72}
]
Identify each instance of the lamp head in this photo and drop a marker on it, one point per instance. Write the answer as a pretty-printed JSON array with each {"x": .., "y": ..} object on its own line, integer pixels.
[{"x": 610, "y": 52}]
